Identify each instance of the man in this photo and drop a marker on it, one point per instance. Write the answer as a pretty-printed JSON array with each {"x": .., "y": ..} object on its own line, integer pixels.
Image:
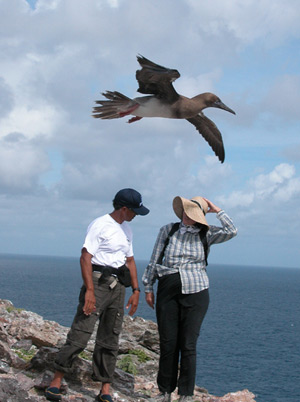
[{"x": 106, "y": 260}]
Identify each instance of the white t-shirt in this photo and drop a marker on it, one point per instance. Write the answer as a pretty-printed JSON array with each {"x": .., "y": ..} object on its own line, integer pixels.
[{"x": 109, "y": 241}]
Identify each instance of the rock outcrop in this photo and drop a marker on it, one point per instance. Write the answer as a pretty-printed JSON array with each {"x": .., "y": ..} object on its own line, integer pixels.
[{"x": 28, "y": 345}]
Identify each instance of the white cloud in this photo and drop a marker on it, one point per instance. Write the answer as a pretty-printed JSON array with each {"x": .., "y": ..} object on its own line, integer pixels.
[
  {"x": 21, "y": 164},
  {"x": 6, "y": 99},
  {"x": 40, "y": 121},
  {"x": 45, "y": 5},
  {"x": 213, "y": 172},
  {"x": 280, "y": 187},
  {"x": 59, "y": 57},
  {"x": 189, "y": 86},
  {"x": 248, "y": 21},
  {"x": 268, "y": 184}
]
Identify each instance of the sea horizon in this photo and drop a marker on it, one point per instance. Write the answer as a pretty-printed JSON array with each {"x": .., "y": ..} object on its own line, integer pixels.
[
  {"x": 250, "y": 337},
  {"x": 248, "y": 265}
]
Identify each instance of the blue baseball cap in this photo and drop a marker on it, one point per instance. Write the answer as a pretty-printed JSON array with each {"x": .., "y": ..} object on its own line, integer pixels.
[{"x": 132, "y": 199}]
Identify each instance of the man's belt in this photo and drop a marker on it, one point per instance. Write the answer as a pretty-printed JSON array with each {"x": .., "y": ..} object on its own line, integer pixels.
[
  {"x": 122, "y": 273},
  {"x": 106, "y": 270}
]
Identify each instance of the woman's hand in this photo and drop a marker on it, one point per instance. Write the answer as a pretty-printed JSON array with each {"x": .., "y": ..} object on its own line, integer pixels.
[
  {"x": 212, "y": 207},
  {"x": 150, "y": 299}
]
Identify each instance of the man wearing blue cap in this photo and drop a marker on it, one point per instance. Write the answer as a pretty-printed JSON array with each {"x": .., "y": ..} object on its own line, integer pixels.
[{"x": 107, "y": 266}]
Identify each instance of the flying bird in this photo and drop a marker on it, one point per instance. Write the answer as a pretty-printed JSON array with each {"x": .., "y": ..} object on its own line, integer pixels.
[{"x": 164, "y": 101}]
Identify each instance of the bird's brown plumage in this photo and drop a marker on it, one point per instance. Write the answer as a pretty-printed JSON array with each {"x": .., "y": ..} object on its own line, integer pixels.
[{"x": 164, "y": 101}]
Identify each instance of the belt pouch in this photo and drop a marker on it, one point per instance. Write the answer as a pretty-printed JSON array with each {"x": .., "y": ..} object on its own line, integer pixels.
[{"x": 124, "y": 276}]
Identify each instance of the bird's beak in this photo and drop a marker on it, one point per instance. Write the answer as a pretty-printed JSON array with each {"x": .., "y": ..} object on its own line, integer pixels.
[{"x": 221, "y": 105}]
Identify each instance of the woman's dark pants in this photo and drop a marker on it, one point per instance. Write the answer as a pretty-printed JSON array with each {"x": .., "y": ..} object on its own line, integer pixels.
[{"x": 179, "y": 318}]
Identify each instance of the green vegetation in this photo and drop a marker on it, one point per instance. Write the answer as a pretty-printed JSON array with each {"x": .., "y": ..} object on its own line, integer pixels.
[
  {"x": 12, "y": 308},
  {"x": 26, "y": 355},
  {"x": 126, "y": 364},
  {"x": 142, "y": 356},
  {"x": 85, "y": 355}
]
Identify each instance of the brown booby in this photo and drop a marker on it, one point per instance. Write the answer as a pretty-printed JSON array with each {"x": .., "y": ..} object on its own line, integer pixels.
[{"x": 164, "y": 101}]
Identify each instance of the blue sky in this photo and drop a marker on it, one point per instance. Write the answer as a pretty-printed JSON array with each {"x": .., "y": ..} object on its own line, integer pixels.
[{"x": 59, "y": 168}]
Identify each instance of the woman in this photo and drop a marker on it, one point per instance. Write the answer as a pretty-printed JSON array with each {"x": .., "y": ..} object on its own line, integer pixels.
[{"x": 179, "y": 263}]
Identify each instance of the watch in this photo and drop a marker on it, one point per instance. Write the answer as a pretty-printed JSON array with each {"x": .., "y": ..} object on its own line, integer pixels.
[{"x": 134, "y": 289}]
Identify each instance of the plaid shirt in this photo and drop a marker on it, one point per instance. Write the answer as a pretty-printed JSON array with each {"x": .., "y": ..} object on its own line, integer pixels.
[{"x": 185, "y": 254}]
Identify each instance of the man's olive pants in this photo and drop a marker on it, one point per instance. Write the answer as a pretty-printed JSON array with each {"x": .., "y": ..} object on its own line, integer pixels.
[{"x": 109, "y": 312}]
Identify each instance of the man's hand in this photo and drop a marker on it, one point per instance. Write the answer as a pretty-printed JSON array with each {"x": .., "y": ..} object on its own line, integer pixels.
[
  {"x": 87, "y": 275},
  {"x": 133, "y": 301},
  {"x": 89, "y": 302},
  {"x": 150, "y": 299}
]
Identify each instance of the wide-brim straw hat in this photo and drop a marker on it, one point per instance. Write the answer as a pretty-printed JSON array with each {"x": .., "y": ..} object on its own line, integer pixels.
[{"x": 196, "y": 208}]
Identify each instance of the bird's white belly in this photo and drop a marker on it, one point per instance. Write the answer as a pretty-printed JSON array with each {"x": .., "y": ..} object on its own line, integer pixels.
[{"x": 152, "y": 107}]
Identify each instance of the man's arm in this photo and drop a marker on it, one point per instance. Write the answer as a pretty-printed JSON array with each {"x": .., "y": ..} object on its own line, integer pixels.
[
  {"x": 134, "y": 298},
  {"x": 87, "y": 275}
]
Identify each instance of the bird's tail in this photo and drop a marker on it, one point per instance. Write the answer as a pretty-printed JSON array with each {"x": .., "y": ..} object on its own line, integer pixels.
[{"x": 117, "y": 105}]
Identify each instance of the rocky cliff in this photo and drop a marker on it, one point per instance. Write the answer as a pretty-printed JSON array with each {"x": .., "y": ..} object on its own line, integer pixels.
[{"x": 28, "y": 344}]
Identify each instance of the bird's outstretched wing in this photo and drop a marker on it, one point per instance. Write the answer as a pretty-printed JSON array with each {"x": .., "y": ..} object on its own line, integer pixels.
[
  {"x": 210, "y": 133},
  {"x": 156, "y": 80}
]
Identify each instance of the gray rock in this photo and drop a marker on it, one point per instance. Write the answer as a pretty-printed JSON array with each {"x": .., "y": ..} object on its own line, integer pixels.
[
  {"x": 7, "y": 355},
  {"x": 43, "y": 359},
  {"x": 124, "y": 382},
  {"x": 23, "y": 333},
  {"x": 43, "y": 379},
  {"x": 11, "y": 390},
  {"x": 25, "y": 344},
  {"x": 150, "y": 339},
  {"x": 4, "y": 367}
]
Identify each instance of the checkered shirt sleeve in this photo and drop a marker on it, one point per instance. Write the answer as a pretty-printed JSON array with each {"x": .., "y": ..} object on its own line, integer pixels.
[{"x": 185, "y": 254}]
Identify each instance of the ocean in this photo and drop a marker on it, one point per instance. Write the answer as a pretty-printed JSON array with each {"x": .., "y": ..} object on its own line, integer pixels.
[{"x": 250, "y": 337}]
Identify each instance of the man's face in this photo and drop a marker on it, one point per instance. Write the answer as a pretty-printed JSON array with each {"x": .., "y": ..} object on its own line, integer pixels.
[{"x": 128, "y": 214}]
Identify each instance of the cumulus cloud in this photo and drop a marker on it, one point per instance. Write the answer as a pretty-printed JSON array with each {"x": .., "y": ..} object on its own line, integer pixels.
[
  {"x": 213, "y": 172},
  {"x": 279, "y": 187},
  {"x": 249, "y": 23},
  {"x": 189, "y": 86},
  {"x": 58, "y": 57},
  {"x": 6, "y": 99},
  {"x": 40, "y": 121},
  {"x": 21, "y": 164},
  {"x": 45, "y": 5}
]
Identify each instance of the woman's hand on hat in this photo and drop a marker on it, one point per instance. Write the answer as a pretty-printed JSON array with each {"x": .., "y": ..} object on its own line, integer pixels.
[{"x": 212, "y": 207}]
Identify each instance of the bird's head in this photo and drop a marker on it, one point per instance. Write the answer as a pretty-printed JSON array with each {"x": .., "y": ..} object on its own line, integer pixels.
[{"x": 212, "y": 100}]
